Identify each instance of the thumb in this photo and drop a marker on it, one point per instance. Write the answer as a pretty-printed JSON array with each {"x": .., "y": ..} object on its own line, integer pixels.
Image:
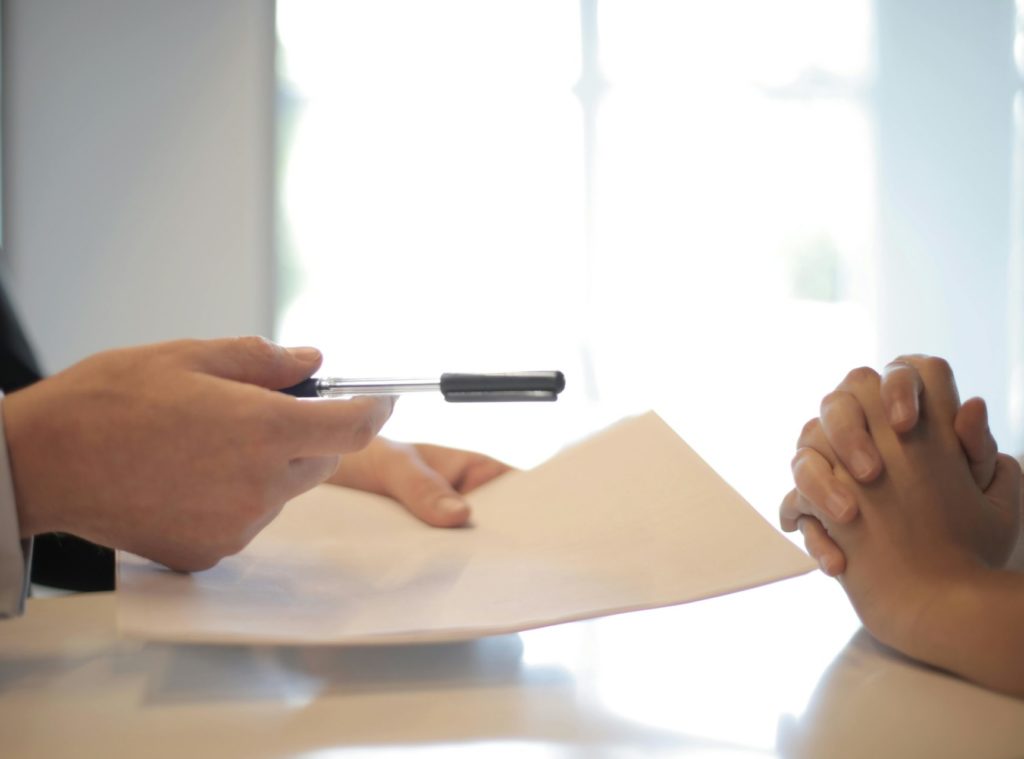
[
  {"x": 999, "y": 535},
  {"x": 1005, "y": 490},
  {"x": 424, "y": 492},
  {"x": 971, "y": 427},
  {"x": 256, "y": 361}
]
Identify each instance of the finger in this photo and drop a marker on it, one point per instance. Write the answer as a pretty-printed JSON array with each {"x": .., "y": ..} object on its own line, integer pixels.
[
  {"x": 971, "y": 427},
  {"x": 813, "y": 436},
  {"x": 465, "y": 470},
  {"x": 901, "y": 394},
  {"x": 825, "y": 496},
  {"x": 999, "y": 535},
  {"x": 424, "y": 491},
  {"x": 326, "y": 427},
  {"x": 821, "y": 547},
  {"x": 846, "y": 427},
  {"x": 940, "y": 398},
  {"x": 480, "y": 473},
  {"x": 253, "y": 360},
  {"x": 790, "y": 511},
  {"x": 1006, "y": 484}
]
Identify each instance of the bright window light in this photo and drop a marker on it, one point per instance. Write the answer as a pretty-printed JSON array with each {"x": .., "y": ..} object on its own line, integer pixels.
[{"x": 667, "y": 201}]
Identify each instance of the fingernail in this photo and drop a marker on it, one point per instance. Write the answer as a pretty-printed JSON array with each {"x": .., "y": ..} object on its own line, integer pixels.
[
  {"x": 861, "y": 464},
  {"x": 901, "y": 412},
  {"x": 305, "y": 354},
  {"x": 451, "y": 505},
  {"x": 838, "y": 505}
]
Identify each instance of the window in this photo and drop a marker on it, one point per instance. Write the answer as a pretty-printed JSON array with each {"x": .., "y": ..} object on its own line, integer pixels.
[
  {"x": 671, "y": 202},
  {"x": 711, "y": 208}
]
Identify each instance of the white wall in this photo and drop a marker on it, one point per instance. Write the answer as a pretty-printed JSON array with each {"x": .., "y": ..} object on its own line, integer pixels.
[
  {"x": 944, "y": 104},
  {"x": 138, "y": 154}
]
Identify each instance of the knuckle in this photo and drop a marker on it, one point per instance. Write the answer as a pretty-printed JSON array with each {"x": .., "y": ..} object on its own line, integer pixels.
[
  {"x": 898, "y": 376},
  {"x": 841, "y": 416},
  {"x": 904, "y": 361},
  {"x": 844, "y": 437},
  {"x": 364, "y": 426},
  {"x": 836, "y": 399},
  {"x": 174, "y": 349},
  {"x": 862, "y": 376},
  {"x": 259, "y": 347},
  {"x": 900, "y": 362},
  {"x": 786, "y": 505},
  {"x": 788, "y": 513},
  {"x": 809, "y": 430},
  {"x": 185, "y": 345},
  {"x": 937, "y": 367},
  {"x": 363, "y": 432},
  {"x": 798, "y": 459},
  {"x": 803, "y": 469},
  {"x": 1012, "y": 464}
]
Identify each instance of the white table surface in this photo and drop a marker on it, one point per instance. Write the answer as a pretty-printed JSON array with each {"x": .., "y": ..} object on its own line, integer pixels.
[{"x": 776, "y": 671}]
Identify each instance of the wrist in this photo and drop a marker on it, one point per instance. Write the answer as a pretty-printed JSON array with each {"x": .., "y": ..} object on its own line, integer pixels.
[
  {"x": 27, "y": 462},
  {"x": 949, "y": 616}
]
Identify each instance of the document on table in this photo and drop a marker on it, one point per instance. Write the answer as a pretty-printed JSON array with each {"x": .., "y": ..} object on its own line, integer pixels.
[{"x": 631, "y": 518}]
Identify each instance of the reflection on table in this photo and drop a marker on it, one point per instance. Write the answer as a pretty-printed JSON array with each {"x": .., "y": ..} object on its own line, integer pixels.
[{"x": 776, "y": 671}]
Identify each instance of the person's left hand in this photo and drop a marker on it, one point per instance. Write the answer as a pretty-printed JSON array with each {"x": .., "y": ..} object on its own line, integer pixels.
[{"x": 428, "y": 480}]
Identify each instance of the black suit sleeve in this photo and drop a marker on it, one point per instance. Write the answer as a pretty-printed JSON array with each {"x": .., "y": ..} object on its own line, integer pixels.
[{"x": 58, "y": 560}]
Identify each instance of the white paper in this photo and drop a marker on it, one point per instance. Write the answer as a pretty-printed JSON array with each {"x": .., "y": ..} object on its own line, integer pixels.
[{"x": 630, "y": 518}]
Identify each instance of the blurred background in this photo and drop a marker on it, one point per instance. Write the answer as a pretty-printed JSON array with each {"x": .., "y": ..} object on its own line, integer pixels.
[{"x": 709, "y": 208}]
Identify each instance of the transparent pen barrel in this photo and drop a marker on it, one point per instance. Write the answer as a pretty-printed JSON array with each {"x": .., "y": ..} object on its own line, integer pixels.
[{"x": 335, "y": 388}]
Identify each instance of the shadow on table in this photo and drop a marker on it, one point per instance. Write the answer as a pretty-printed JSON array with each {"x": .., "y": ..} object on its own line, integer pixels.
[
  {"x": 191, "y": 673},
  {"x": 430, "y": 699}
]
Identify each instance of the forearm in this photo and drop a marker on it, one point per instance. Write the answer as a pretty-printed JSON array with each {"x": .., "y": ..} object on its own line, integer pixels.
[{"x": 976, "y": 630}]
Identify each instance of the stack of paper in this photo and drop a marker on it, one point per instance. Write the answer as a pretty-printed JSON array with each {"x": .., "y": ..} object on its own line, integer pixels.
[{"x": 629, "y": 519}]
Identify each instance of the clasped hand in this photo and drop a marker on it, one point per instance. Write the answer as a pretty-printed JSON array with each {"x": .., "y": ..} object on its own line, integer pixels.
[{"x": 901, "y": 494}]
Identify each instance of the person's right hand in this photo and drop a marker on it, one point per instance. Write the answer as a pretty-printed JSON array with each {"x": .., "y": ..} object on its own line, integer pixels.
[
  {"x": 924, "y": 557},
  {"x": 430, "y": 481},
  {"x": 840, "y": 433},
  {"x": 180, "y": 452}
]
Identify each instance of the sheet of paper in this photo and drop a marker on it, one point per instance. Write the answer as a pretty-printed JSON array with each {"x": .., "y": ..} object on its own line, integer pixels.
[{"x": 628, "y": 519}]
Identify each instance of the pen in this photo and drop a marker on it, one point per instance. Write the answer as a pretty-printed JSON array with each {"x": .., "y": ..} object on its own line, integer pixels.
[{"x": 456, "y": 388}]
